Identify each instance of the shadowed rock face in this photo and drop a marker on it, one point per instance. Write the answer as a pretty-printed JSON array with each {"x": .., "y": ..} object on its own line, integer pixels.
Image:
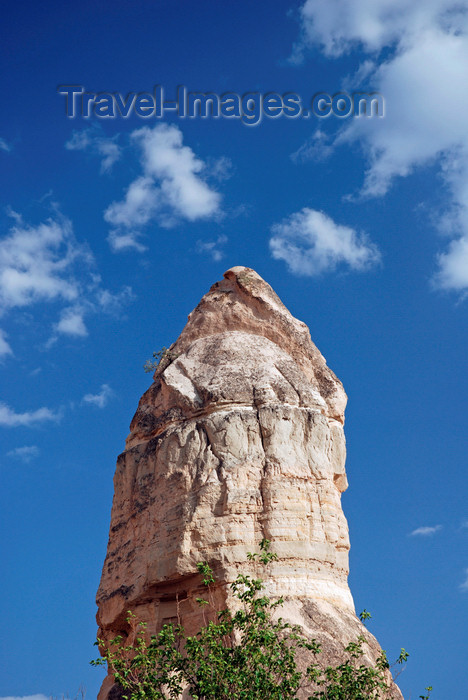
[{"x": 239, "y": 437}]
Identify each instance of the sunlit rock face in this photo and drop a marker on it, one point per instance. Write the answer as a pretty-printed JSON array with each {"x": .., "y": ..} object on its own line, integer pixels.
[{"x": 240, "y": 437}]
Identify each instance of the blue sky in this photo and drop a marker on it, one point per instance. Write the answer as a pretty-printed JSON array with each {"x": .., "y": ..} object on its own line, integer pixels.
[{"x": 112, "y": 230}]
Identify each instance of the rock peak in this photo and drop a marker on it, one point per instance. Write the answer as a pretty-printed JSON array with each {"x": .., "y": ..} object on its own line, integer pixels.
[{"x": 243, "y": 301}]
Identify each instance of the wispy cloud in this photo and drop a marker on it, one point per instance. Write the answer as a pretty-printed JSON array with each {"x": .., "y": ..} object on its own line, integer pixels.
[
  {"x": 464, "y": 584},
  {"x": 5, "y": 348},
  {"x": 425, "y": 531},
  {"x": 4, "y": 146},
  {"x": 311, "y": 243},
  {"x": 219, "y": 169},
  {"x": 317, "y": 147},
  {"x": 16, "y": 216},
  {"x": 25, "y": 454},
  {"x": 101, "y": 399},
  {"x": 426, "y": 51},
  {"x": 212, "y": 248},
  {"x": 130, "y": 240},
  {"x": 11, "y": 419},
  {"x": 113, "y": 302},
  {"x": 87, "y": 140},
  {"x": 172, "y": 187}
]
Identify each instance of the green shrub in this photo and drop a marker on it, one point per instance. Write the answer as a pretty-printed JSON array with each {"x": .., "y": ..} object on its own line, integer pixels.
[{"x": 241, "y": 655}]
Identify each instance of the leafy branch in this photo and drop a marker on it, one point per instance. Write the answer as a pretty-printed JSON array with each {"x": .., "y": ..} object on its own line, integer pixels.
[{"x": 246, "y": 654}]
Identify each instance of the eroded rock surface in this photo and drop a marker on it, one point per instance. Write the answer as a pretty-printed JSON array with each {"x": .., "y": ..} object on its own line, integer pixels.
[{"x": 239, "y": 437}]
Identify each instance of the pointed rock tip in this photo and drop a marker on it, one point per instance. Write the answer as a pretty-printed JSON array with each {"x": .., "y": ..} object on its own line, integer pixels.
[
  {"x": 243, "y": 301},
  {"x": 237, "y": 269},
  {"x": 240, "y": 271},
  {"x": 252, "y": 283}
]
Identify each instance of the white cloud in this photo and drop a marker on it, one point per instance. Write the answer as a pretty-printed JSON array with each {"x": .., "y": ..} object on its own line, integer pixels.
[
  {"x": 35, "y": 264},
  {"x": 178, "y": 170},
  {"x": 339, "y": 26},
  {"x": 119, "y": 241},
  {"x": 110, "y": 153},
  {"x": 453, "y": 266},
  {"x": 426, "y": 531},
  {"x": 25, "y": 697},
  {"x": 9, "y": 418},
  {"x": 420, "y": 85},
  {"x": 45, "y": 263},
  {"x": 172, "y": 187},
  {"x": 4, "y": 146},
  {"x": 311, "y": 243},
  {"x": 25, "y": 454},
  {"x": 421, "y": 78},
  {"x": 464, "y": 584},
  {"x": 5, "y": 348},
  {"x": 106, "y": 148},
  {"x": 72, "y": 323},
  {"x": 141, "y": 202},
  {"x": 212, "y": 248},
  {"x": 101, "y": 399}
]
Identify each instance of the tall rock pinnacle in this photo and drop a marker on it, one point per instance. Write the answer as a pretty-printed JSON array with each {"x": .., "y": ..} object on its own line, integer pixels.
[{"x": 240, "y": 437}]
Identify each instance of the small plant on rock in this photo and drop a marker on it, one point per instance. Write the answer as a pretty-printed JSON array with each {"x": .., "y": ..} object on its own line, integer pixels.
[{"x": 160, "y": 360}]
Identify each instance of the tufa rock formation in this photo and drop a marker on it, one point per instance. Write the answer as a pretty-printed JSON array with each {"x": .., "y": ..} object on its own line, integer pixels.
[{"x": 239, "y": 437}]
